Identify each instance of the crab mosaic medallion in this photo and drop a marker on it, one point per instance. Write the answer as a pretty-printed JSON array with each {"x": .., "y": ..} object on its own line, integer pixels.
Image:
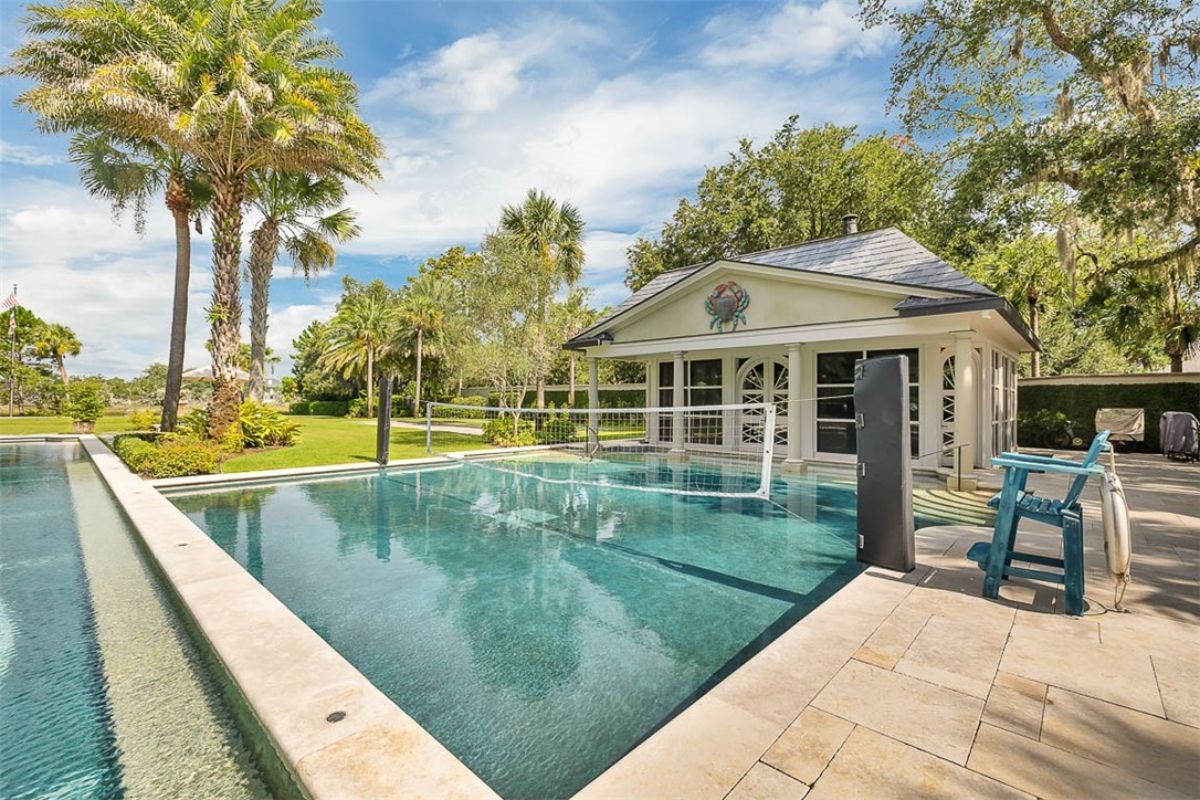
[{"x": 726, "y": 306}]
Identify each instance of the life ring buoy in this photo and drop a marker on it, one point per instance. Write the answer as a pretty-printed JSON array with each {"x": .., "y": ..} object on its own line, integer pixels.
[{"x": 1114, "y": 511}]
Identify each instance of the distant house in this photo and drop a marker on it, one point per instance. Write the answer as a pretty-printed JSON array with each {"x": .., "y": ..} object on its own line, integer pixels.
[{"x": 786, "y": 326}]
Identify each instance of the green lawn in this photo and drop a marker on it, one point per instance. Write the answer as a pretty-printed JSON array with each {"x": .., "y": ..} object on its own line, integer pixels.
[
  {"x": 322, "y": 440},
  {"x": 463, "y": 423},
  {"x": 337, "y": 440},
  {"x": 19, "y": 425}
]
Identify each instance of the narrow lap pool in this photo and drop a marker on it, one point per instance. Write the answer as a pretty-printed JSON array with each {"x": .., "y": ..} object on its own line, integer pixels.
[
  {"x": 538, "y": 630},
  {"x": 102, "y": 693}
]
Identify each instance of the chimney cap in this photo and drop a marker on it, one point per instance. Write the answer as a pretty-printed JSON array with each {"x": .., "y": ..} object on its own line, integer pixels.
[{"x": 849, "y": 224}]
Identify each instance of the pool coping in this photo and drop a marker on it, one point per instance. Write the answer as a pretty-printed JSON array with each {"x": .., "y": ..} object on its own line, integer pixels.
[
  {"x": 701, "y": 753},
  {"x": 334, "y": 730}
]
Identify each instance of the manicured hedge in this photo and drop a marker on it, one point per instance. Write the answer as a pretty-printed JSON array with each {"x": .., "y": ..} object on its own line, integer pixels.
[
  {"x": 1080, "y": 401},
  {"x": 320, "y": 408},
  {"x": 168, "y": 456}
]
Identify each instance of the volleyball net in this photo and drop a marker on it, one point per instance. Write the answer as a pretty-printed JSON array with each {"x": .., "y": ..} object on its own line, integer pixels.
[{"x": 718, "y": 450}]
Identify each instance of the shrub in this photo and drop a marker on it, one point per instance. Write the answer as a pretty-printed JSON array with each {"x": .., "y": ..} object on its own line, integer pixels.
[
  {"x": 300, "y": 408},
  {"x": 329, "y": 408},
  {"x": 170, "y": 456},
  {"x": 143, "y": 419},
  {"x": 503, "y": 431},
  {"x": 474, "y": 400},
  {"x": 1078, "y": 402},
  {"x": 557, "y": 429},
  {"x": 263, "y": 426},
  {"x": 357, "y": 407},
  {"x": 193, "y": 424},
  {"x": 85, "y": 401}
]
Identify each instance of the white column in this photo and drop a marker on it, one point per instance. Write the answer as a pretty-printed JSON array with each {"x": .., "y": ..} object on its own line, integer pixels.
[
  {"x": 964, "y": 406},
  {"x": 593, "y": 400},
  {"x": 678, "y": 402},
  {"x": 793, "y": 405}
]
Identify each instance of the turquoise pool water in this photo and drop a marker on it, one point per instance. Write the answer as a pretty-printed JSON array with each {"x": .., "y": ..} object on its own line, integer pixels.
[
  {"x": 539, "y": 631},
  {"x": 102, "y": 693},
  {"x": 56, "y": 736}
]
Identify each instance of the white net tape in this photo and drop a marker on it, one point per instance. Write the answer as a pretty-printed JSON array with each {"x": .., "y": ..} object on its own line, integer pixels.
[{"x": 722, "y": 450}]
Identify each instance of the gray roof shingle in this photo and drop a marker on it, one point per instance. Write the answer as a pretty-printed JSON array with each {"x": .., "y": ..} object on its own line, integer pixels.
[{"x": 881, "y": 255}]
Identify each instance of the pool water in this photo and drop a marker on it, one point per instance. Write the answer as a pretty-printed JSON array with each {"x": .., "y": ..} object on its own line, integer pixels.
[
  {"x": 538, "y": 630},
  {"x": 102, "y": 693},
  {"x": 56, "y": 734}
]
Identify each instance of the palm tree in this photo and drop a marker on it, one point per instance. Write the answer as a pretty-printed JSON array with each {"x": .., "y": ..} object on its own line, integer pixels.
[
  {"x": 238, "y": 85},
  {"x": 292, "y": 205},
  {"x": 361, "y": 332},
  {"x": 56, "y": 342},
  {"x": 127, "y": 174},
  {"x": 568, "y": 318},
  {"x": 426, "y": 306},
  {"x": 553, "y": 233}
]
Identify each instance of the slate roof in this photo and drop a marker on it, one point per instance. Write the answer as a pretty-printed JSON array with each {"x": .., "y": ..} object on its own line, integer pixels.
[
  {"x": 881, "y": 255},
  {"x": 885, "y": 255}
]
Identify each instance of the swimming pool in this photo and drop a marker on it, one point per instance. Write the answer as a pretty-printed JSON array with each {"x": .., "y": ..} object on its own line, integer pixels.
[
  {"x": 102, "y": 694},
  {"x": 538, "y": 630}
]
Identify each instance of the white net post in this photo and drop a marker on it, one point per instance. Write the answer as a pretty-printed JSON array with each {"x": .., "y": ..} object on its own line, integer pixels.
[{"x": 764, "y": 487}]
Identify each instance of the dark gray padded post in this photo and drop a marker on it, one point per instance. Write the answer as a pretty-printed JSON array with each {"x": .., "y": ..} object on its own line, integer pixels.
[
  {"x": 383, "y": 422},
  {"x": 885, "y": 516}
]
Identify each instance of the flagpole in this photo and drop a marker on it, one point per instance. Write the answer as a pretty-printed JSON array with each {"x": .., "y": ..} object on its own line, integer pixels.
[{"x": 12, "y": 351}]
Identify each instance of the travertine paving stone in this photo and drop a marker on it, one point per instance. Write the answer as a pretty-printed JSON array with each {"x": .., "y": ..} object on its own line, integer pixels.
[
  {"x": 956, "y": 654},
  {"x": 1164, "y": 752},
  {"x": 1119, "y": 675},
  {"x": 700, "y": 754},
  {"x": 871, "y": 765},
  {"x": 930, "y": 717},
  {"x": 1054, "y": 774},
  {"x": 764, "y": 783},
  {"x": 806, "y": 748},
  {"x": 1016, "y": 704},
  {"x": 891, "y": 639},
  {"x": 1179, "y": 684}
]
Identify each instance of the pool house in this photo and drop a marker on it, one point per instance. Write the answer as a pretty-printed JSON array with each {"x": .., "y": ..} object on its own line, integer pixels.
[{"x": 786, "y": 326}]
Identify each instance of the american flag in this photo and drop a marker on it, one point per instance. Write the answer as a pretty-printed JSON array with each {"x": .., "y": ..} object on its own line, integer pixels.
[{"x": 11, "y": 301}]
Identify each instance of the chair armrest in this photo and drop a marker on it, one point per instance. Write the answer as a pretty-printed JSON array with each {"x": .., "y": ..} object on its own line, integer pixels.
[
  {"x": 1062, "y": 467},
  {"x": 1032, "y": 457}
]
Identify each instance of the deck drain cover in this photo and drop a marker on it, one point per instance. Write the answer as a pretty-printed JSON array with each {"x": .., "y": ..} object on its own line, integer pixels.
[{"x": 336, "y": 716}]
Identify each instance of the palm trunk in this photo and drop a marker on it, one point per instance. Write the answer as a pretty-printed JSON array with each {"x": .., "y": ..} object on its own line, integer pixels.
[
  {"x": 180, "y": 205},
  {"x": 571, "y": 379},
  {"x": 225, "y": 312},
  {"x": 417, "y": 393},
  {"x": 264, "y": 245},
  {"x": 1035, "y": 358},
  {"x": 1176, "y": 362},
  {"x": 370, "y": 381},
  {"x": 62, "y": 369}
]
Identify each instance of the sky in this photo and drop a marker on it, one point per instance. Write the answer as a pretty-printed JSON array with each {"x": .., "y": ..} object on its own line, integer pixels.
[{"x": 615, "y": 107}]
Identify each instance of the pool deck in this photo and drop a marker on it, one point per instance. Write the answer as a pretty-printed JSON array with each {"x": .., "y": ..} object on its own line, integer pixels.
[{"x": 915, "y": 686}]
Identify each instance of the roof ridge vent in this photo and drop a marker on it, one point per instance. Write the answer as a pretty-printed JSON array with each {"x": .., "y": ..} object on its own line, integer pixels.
[{"x": 849, "y": 224}]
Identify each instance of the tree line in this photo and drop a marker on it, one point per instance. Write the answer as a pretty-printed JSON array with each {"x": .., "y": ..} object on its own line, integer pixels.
[
  {"x": 496, "y": 315},
  {"x": 1063, "y": 171}
]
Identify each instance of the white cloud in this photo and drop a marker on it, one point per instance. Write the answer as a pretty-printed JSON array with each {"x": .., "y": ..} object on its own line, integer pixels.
[
  {"x": 475, "y": 74},
  {"x": 27, "y": 156},
  {"x": 799, "y": 36},
  {"x": 285, "y": 324},
  {"x": 604, "y": 269}
]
